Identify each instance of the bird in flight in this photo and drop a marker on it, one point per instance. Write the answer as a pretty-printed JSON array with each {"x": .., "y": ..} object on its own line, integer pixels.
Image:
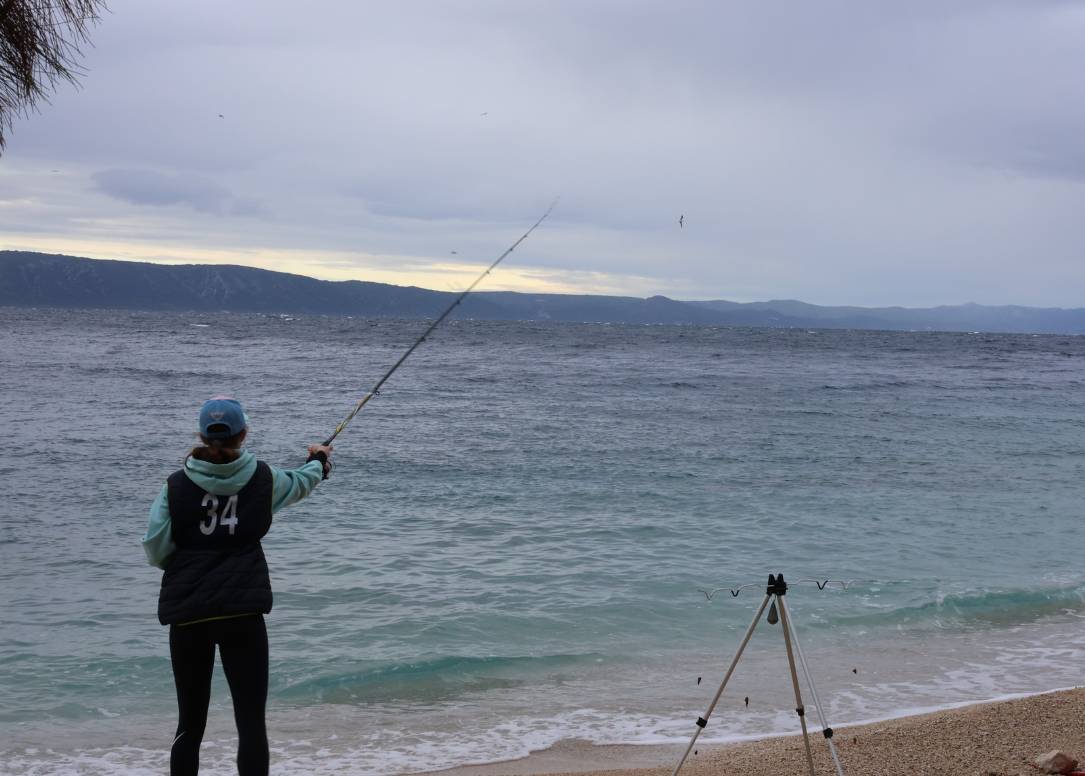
[
  {"x": 453, "y": 253},
  {"x": 221, "y": 116},
  {"x": 682, "y": 221},
  {"x": 485, "y": 113}
]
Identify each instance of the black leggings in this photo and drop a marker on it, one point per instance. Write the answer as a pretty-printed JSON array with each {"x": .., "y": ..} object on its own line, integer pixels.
[{"x": 242, "y": 643}]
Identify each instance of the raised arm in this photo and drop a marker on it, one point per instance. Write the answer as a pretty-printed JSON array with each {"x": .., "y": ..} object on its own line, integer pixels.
[{"x": 292, "y": 485}]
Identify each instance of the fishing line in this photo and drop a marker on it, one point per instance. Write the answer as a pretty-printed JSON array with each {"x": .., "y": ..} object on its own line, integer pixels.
[{"x": 376, "y": 388}]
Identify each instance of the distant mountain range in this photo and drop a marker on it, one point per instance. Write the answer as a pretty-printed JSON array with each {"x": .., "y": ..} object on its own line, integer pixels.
[{"x": 47, "y": 280}]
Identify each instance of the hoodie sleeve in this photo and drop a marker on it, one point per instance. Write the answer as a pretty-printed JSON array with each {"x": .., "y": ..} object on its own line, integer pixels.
[
  {"x": 158, "y": 541},
  {"x": 290, "y": 486}
]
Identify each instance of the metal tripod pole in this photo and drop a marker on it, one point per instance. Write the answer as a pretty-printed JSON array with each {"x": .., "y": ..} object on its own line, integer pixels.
[
  {"x": 825, "y": 729},
  {"x": 703, "y": 720},
  {"x": 775, "y": 592},
  {"x": 785, "y": 624}
]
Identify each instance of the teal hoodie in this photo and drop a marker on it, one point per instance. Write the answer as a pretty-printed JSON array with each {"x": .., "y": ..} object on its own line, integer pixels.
[{"x": 225, "y": 479}]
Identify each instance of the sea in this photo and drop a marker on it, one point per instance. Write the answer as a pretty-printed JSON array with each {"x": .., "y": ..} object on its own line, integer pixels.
[{"x": 512, "y": 548}]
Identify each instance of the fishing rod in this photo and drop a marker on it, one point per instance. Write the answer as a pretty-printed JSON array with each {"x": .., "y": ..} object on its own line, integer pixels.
[{"x": 376, "y": 388}]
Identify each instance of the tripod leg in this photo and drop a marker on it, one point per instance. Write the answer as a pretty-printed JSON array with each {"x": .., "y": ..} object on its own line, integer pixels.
[
  {"x": 702, "y": 721},
  {"x": 825, "y": 729},
  {"x": 785, "y": 623}
]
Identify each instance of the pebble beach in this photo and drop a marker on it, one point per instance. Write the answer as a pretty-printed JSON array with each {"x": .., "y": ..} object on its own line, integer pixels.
[{"x": 988, "y": 739}]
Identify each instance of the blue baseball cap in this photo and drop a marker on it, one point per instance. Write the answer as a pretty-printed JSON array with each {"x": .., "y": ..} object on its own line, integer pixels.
[{"x": 224, "y": 415}]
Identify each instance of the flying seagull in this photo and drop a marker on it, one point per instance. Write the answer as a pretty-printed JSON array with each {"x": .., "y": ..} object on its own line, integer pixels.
[{"x": 682, "y": 221}]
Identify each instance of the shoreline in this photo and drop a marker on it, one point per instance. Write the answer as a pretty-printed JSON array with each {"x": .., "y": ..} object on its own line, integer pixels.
[{"x": 997, "y": 736}]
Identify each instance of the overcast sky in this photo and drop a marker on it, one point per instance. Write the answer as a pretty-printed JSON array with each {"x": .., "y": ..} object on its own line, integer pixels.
[{"x": 871, "y": 153}]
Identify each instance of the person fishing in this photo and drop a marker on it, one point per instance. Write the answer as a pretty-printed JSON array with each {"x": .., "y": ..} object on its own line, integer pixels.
[{"x": 204, "y": 531}]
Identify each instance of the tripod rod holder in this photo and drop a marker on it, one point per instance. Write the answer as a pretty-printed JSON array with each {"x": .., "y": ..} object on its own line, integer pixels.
[
  {"x": 776, "y": 585},
  {"x": 774, "y": 595}
]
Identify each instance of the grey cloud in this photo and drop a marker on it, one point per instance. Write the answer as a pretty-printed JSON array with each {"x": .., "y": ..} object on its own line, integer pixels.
[
  {"x": 146, "y": 187},
  {"x": 248, "y": 206}
]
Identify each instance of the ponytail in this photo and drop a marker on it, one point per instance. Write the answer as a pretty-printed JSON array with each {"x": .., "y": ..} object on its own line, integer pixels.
[{"x": 218, "y": 450}]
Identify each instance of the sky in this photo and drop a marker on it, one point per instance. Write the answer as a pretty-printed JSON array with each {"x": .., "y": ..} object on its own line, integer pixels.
[{"x": 869, "y": 153}]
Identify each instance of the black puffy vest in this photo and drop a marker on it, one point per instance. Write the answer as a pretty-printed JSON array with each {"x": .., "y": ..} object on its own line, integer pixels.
[{"x": 218, "y": 568}]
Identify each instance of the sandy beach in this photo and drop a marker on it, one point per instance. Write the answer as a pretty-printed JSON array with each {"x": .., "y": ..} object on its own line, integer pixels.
[{"x": 988, "y": 739}]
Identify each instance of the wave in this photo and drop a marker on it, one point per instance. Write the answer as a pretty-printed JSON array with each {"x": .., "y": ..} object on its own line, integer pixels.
[
  {"x": 141, "y": 373},
  {"x": 980, "y": 609},
  {"x": 876, "y": 385},
  {"x": 440, "y": 678}
]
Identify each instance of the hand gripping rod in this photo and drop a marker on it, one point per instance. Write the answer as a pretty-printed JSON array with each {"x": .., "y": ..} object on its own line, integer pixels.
[{"x": 376, "y": 388}]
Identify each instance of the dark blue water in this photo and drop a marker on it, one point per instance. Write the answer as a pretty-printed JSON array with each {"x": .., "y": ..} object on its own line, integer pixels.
[{"x": 510, "y": 550}]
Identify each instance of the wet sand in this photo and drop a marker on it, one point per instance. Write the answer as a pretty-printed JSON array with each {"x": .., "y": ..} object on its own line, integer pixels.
[{"x": 989, "y": 739}]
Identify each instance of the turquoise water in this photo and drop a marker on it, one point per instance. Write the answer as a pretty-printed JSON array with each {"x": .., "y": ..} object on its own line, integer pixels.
[{"x": 510, "y": 550}]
